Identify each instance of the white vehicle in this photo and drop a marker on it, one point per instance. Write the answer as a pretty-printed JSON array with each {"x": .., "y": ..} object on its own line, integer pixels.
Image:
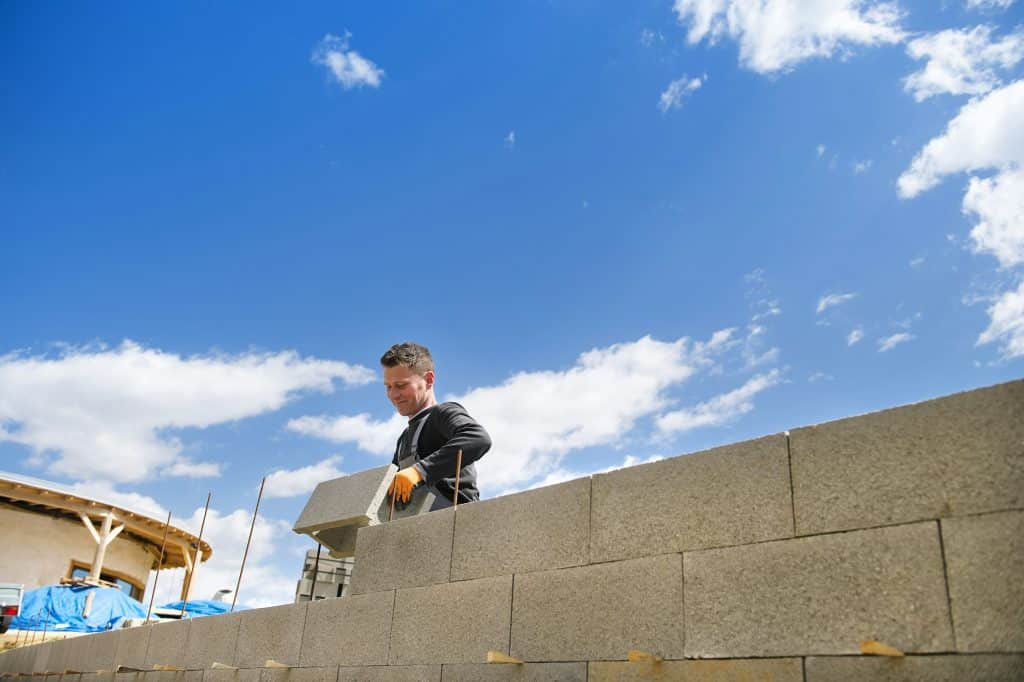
[{"x": 10, "y": 602}]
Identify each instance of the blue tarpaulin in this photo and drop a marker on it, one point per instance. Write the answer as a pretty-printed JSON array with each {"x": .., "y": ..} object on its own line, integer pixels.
[
  {"x": 58, "y": 608},
  {"x": 202, "y": 607}
]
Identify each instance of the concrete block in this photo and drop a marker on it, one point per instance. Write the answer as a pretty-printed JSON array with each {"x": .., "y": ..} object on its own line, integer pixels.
[
  {"x": 600, "y": 612},
  {"x": 59, "y": 651},
  {"x": 174, "y": 676},
  {"x": 351, "y": 631},
  {"x": 211, "y": 639},
  {"x": 539, "y": 529},
  {"x": 819, "y": 595},
  {"x": 225, "y": 675},
  {"x": 167, "y": 643},
  {"x": 272, "y": 633},
  {"x": 406, "y": 553},
  {"x": 328, "y": 674},
  {"x": 730, "y": 495},
  {"x": 130, "y": 677},
  {"x": 340, "y": 506},
  {"x": 98, "y": 677},
  {"x": 407, "y": 673},
  {"x": 97, "y": 651},
  {"x": 985, "y": 568},
  {"x": 529, "y": 672},
  {"x": 732, "y": 670},
  {"x": 131, "y": 649},
  {"x": 41, "y": 658},
  {"x": 980, "y": 668},
  {"x": 954, "y": 456},
  {"x": 480, "y": 609}
]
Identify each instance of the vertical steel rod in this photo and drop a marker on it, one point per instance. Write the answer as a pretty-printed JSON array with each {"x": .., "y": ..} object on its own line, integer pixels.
[
  {"x": 198, "y": 558},
  {"x": 160, "y": 565},
  {"x": 458, "y": 470},
  {"x": 316, "y": 572},
  {"x": 245, "y": 555},
  {"x": 46, "y": 625}
]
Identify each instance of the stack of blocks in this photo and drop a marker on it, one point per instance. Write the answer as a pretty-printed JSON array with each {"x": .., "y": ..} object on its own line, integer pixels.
[{"x": 769, "y": 559}]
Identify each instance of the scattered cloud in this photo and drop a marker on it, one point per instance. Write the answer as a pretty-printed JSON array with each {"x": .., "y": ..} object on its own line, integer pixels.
[
  {"x": 562, "y": 475},
  {"x": 776, "y": 35},
  {"x": 292, "y": 482},
  {"x": 961, "y": 61},
  {"x": 819, "y": 376},
  {"x": 510, "y": 140},
  {"x": 989, "y": 4},
  {"x": 347, "y": 66},
  {"x": 105, "y": 413},
  {"x": 861, "y": 167},
  {"x": 889, "y": 342},
  {"x": 1006, "y": 325},
  {"x": 821, "y": 150},
  {"x": 370, "y": 435},
  {"x": 719, "y": 410},
  {"x": 997, "y": 203},
  {"x": 830, "y": 300},
  {"x": 649, "y": 36},
  {"x": 672, "y": 97},
  {"x": 104, "y": 491},
  {"x": 917, "y": 262},
  {"x": 854, "y": 337}
]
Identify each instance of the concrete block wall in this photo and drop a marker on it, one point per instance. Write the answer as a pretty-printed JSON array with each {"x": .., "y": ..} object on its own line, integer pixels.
[{"x": 769, "y": 559}]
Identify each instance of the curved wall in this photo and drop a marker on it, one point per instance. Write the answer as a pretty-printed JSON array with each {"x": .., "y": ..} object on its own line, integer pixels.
[{"x": 37, "y": 549}]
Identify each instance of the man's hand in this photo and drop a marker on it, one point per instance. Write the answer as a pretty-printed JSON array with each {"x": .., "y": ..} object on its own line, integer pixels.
[{"x": 402, "y": 484}]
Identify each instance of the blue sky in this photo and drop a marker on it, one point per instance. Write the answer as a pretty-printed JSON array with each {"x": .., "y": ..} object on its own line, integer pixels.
[{"x": 627, "y": 230}]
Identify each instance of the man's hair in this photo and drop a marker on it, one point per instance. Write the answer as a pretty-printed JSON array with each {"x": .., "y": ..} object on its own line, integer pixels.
[{"x": 412, "y": 355}]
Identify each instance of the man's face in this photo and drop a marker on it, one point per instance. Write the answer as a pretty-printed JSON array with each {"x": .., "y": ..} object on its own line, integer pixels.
[{"x": 408, "y": 391}]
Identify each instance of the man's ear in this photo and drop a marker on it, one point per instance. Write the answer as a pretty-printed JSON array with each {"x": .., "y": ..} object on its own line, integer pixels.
[{"x": 429, "y": 377}]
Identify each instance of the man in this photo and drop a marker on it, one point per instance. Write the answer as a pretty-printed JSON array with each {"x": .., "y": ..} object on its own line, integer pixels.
[{"x": 427, "y": 450}]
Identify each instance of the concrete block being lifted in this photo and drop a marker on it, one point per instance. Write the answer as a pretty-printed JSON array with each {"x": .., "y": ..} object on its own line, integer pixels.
[{"x": 338, "y": 508}]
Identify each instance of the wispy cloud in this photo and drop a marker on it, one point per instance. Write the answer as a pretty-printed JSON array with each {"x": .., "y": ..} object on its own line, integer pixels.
[
  {"x": 889, "y": 342},
  {"x": 819, "y": 376},
  {"x": 292, "y": 482},
  {"x": 776, "y": 35},
  {"x": 719, "y": 410},
  {"x": 861, "y": 167},
  {"x": 831, "y": 300},
  {"x": 961, "y": 61},
  {"x": 917, "y": 262},
  {"x": 349, "y": 68},
  {"x": 989, "y": 4},
  {"x": 820, "y": 149},
  {"x": 110, "y": 413},
  {"x": 510, "y": 140},
  {"x": 854, "y": 337},
  {"x": 677, "y": 90}
]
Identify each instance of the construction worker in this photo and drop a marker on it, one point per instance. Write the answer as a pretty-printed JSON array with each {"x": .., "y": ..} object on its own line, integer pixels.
[{"x": 427, "y": 451}]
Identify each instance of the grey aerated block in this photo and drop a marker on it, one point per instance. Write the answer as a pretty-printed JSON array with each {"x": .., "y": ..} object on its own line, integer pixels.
[
  {"x": 734, "y": 670},
  {"x": 406, "y": 553},
  {"x": 339, "y": 507},
  {"x": 990, "y": 668},
  {"x": 394, "y": 673},
  {"x": 270, "y": 634},
  {"x": 352, "y": 630},
  {"x": 211, "y": 640},
  {"x": 528, "y": 672},
  {"x": 131, "y": 649},
  {"x": 167, "y": 643}
]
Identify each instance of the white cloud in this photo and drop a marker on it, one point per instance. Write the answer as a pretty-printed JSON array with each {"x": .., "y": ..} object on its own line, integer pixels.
[
  {"x": 1007, "y": 324},
  {"x": 104, "y": 491},
  {"x": 854, "y": 336},
  {"x": 263, "y": 583},
  {"x": 536, "y": 418},
  {"x": 719, "y": 410},
  {"x": 989, "y": 4},
  {"x": 917, "y": 262},
  {"x": 961, "y": 61},
  {"x": 775, "y": 35},
  {"x": 861, "y": 167},
  {"x": 348, "y": 67},
  {"x": 672, "y": 97},
  {"x": 890, "y": 342},
  {"x": 829, "y": 300},
  {"x": 985, "y": 134},
  {"x": 998, "y": 205},
  {"x": 562, "y": 475},
  {"x": 377, "y": 437},
  {"x": 292, "y": 482},
  {"x": 821, "y": 150},
  {"x": 819, "y": 376},
  {"x": 510, "y": 139},
  {"x": 104, "y": 413}
]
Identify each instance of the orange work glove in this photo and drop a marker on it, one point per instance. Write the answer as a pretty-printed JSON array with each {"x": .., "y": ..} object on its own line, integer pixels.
[{"x": 402, "y": 484}]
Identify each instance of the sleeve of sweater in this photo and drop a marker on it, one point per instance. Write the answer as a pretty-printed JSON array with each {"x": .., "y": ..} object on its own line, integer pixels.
[{"x": 463, "y": 433}]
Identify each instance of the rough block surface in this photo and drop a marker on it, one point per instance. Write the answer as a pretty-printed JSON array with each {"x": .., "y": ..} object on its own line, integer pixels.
[
  {"x": 529, "y": 672},
  {"x": 167, "y": 644},
  {"x": 40, "y": 660},
  {"x": 954, "y": 456},
  {"x": 979, "y": 668},
  {"x": 405, "y": 553},
  {"x": 819, "y": 595},
  {"x": 985, "y": 567},
  {"x": 329, "y": 674},
  {"x": 408, "y": 673},
  {"x": 539, "y": 529},
  {"x": 351, "y": 631},
  {"x": 480, "y": 607},
  {"x": 740, "y": 670},
  {"x": 726, "y": 496},
  {"x": 273, "y": 633},
  {"x": 347, "y": 500},
  {"x": 600, "y": 612},
  {"x": 224, "y": 675},
  {"x": 97, "y": 651},
  {"x": 210, "y": 640},
  {"x": 59, "y": 652},
  {"x": 131, "y": 649}
]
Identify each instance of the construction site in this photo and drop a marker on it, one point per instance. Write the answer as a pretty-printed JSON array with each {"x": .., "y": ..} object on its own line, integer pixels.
[{"x": 886, "y": 546}]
